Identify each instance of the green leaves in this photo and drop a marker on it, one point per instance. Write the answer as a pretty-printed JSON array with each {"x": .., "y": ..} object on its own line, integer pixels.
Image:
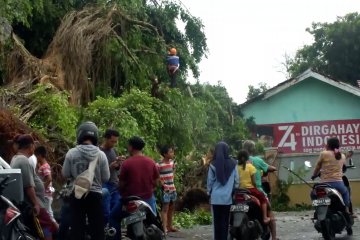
[
  {"x": 20, "y": 10},
  {"x": 52, "y": 113},
  {"x": 110, "y": 113}
]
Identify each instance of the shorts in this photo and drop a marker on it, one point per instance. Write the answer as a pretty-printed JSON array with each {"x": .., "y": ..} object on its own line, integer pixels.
[{"x": 169, "y": 197}]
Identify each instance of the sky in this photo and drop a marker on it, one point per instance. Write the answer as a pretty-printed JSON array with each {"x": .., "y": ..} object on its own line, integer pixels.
[{"x": 248, "y": 39}]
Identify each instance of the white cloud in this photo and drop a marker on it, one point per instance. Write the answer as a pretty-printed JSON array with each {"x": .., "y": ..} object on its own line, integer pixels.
[{"x": 248, "y": 39}]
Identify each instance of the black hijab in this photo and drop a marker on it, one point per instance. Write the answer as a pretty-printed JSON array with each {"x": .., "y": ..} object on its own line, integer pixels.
[{"x": 222, "y": 162}]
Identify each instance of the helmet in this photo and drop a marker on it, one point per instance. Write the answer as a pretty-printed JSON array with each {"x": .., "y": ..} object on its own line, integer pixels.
[
  {"x": 87, "y": 130},
  {"x": 173, "y": 51}
]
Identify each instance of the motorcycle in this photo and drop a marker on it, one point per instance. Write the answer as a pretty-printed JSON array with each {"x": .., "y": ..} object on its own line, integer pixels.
[
  {"x": 11, "y": 226},
  {"x": 330, "y": 215},
  {"x": 65, "y": 232},
  {"x": 141, "y": 222},
  {"x": 246, "y": 218}
]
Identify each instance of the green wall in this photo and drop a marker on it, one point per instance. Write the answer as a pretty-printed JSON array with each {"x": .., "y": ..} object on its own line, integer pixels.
[{"x": 310, "y": 100}]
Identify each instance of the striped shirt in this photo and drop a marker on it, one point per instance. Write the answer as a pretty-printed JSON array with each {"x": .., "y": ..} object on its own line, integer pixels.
[
  {"x": 167, "y": 170},
  {"x": 44, "y": 171}
]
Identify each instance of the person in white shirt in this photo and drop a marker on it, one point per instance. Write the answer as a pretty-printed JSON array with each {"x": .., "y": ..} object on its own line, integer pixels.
[{"x": 33, "y": 161}]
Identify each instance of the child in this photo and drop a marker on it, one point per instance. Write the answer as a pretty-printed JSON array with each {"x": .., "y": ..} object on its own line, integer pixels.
[
  {"x": 44, "y": 172},
  {"x": 167, "y": 171},
  {"x": 247, "y": 180}
]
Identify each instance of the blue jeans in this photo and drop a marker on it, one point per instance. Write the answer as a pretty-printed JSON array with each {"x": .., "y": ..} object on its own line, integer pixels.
[
  {"x": 111, "y": 196},
  {"x": 340, "y": 186},
  {"x": 116, "y": 215}
]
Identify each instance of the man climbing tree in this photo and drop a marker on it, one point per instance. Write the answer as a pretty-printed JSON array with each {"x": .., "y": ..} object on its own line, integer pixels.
[{"x": 173, "y": 65}]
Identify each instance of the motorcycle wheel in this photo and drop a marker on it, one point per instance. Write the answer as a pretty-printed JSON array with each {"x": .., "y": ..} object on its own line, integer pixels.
[
  {"x": 241, "y": 233},
  {"x": 326, "y": 231},
  {"x": 266, "y": 236}
]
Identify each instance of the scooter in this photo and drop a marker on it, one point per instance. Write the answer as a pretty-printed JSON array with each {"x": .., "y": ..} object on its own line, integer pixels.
[
  {"x": 330, "y": 217},
  {"x": 65, "y": 231},
  {"x": 141, "y": 222},
  {"x": 11, "y": 226},
  {"x": 246, "y": 218}
]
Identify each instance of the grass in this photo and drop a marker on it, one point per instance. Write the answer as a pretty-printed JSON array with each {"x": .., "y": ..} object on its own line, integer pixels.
[{"x": 189, "y": 219}]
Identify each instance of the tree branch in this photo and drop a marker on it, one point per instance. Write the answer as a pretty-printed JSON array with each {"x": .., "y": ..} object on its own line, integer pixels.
[{"x": 121, "y": 41}]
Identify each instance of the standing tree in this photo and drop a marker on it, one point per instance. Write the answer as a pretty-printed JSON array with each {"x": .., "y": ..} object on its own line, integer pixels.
[
  {"x": 335, "y": 51},
  {"x": 256, "y": 91}
]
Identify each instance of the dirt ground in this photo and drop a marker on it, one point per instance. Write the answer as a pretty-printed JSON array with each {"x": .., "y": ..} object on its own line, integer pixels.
[{"x": 290, "y": 226}]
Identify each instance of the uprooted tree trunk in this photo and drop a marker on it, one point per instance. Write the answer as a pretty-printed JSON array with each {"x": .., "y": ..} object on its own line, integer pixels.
[{"x": 75, "y": 58}]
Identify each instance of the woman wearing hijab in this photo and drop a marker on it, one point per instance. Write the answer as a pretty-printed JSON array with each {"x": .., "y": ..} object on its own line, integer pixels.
[{"x": 222, "y": 179}]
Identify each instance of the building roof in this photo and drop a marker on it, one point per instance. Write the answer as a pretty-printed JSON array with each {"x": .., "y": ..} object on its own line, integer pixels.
[{"x": 305, "y": 75}]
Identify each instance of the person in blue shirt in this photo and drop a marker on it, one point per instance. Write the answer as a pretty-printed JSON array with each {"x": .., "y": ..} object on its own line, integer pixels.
[
  {"x": 173, "y": 64},
  {"x": 222, "y": 179}
]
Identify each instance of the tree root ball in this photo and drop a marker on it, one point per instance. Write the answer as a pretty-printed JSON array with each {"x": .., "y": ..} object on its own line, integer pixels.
[
  {"x": 194, "y": 199},
  {"x": 10, "y": 126}
]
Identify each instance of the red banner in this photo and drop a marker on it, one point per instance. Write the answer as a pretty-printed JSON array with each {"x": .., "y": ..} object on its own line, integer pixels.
[{"x": 311, "y": 137}]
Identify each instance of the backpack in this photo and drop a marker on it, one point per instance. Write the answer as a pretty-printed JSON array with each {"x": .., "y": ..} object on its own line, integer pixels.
[{"x": 84, "y": 181}]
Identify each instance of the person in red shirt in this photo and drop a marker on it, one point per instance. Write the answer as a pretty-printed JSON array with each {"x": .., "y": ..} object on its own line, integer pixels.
[{"x": 139, "y": 176}]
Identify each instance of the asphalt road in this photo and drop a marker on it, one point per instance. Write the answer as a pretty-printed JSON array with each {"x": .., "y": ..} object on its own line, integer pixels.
[{"x": 290, "y": 226}]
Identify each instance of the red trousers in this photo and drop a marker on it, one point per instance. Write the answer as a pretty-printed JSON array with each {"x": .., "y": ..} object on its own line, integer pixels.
[{"x": 259, "y": 195}]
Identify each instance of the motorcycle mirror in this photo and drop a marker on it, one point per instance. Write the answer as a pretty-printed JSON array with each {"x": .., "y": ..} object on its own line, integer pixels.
[{"x": 307, "y": 164}]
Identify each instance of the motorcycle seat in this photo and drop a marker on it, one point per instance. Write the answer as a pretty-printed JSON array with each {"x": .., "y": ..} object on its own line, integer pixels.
[
  {"x": 241, "y": 190},
  {"x": 321, "y": 185},
  {"x": 130, "y": 198}
]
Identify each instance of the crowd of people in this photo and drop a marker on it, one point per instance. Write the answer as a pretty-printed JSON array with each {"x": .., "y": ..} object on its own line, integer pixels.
[
  {"x": 226, "y": 174},
  {"x": 114, "y": 178},
  {"x": 118, "y": 177}
]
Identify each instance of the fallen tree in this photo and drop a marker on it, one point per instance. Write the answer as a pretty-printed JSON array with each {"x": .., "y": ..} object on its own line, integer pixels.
[{"x": 76, "y": 59}]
